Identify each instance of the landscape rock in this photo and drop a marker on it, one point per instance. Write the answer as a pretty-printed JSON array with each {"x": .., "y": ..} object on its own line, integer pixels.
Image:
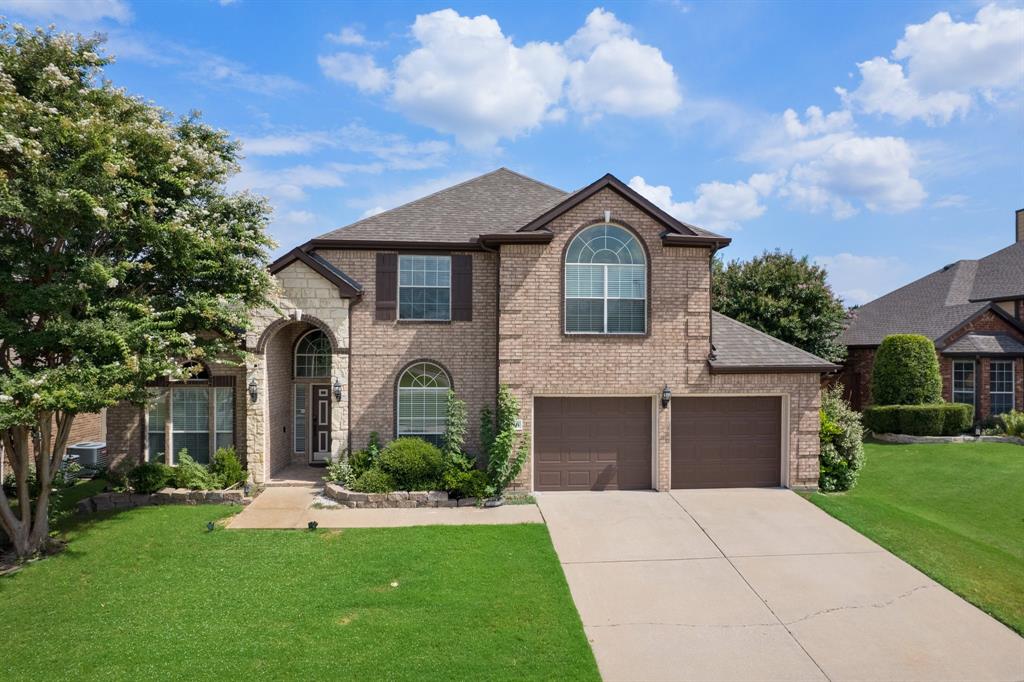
[{"x": 467, "y": 502}]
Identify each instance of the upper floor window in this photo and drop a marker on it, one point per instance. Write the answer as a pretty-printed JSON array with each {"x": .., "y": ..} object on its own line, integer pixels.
[
  {"x": 605, "y": 282},
  {"x": 424, "y": 287},
  {"x": 1001, "y": 388},
  {"x": 423, "y": 402},
  {"x": 313, "y": 355},
  {"x": 963, "y": 381}
]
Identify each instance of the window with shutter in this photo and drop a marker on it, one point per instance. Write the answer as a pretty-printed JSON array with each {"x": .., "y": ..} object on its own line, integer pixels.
[{"x": 387, "y": 286}]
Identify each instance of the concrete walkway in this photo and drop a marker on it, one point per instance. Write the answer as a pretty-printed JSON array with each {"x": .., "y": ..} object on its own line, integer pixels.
[
  {"x": 759, "y": 585},
  {"x": 291, "y": 507}
]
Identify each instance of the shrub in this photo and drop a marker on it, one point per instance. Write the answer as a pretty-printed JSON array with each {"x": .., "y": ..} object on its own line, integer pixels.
[
  {"x": 906, "y": 372},
  {"x": 413, "y": 463},
  {"x": 455, "y": 427},
  {"x": 842, "y": 449},
  {"x": 340, "y": 472},
  {"x": 361, "y": 460},
  {"x": 506, "y": 449},
  {"x": 226, "y": 468},
  {"x": 472, "y": 483},
  {"x": 939, "y": 419},
  {"x": 149, "y": 477},
  {"x": 1012, "y": 423},
  {"x": 373, "y": 480},
  {"x": 192, "y": 475}
]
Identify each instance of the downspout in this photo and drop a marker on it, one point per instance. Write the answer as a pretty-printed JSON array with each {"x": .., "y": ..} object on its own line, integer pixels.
[{"x": 711, "y": 307}]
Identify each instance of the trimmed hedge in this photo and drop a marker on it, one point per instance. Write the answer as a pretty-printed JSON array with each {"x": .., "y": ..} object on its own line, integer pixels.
[
  {"x": 937, "y": 419},
  {"x": 906, "y": 372}
]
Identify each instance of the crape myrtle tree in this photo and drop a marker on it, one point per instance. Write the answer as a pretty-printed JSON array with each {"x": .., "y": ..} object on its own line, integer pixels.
[
  {"x": 784, "y": 296},
  {"x": 122, "y": 257}
]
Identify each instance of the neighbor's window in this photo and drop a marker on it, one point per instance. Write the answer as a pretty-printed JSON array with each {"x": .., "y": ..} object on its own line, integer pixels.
[
  {"x": 963, "y": 381},
  {"x": 1000, "y": 381},
  {"x": 424, "y": 287},
  {"x": 189, "y": 415},
  {"x": 423, "y": 402},
  {"x": 605, "y": 282},
  {"x": 313, "y": 355}
]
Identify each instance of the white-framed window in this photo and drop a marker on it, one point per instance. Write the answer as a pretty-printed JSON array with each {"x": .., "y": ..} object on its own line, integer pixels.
[
  {"x": 197, "y": 418},
  {"x": 299, "y": 413},
  {"x": 423, "y": 401},
  {"x": 313, "y": 355},
  {"x": 605, "y": 282},
  {"x": 424, "y": 287},
  {"x": 963, "y": 381},
  {"x": 1001, "y": 386}
]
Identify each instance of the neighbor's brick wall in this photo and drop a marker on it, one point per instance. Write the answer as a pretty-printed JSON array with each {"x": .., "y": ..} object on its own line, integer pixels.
[
  {"x": 856, "y": 376},
  {"x": 380, "y": 349},
  {"x": 536, "y": 358}
]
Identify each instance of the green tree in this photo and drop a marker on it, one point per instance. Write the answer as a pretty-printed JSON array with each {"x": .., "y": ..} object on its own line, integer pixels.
[
  {"x": 906, "y": 371},
  {"x": 121, "y": 254},
  {"x": 784, "y": 296}
]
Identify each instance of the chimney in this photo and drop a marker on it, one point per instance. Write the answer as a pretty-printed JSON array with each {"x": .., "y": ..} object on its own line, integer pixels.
[{"x": 1020, "y": 225}]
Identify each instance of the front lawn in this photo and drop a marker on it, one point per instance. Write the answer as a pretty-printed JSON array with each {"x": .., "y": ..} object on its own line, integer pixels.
[
  {"x": 955, "y": 511},
  {"x": 151, "y": 594}
]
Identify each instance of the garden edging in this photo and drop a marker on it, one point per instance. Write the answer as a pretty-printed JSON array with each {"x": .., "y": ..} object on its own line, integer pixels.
[
  {"x": 905, "y": 439},
  {"x": 110, "y": 501},
  {"x": 394, "y": 500}
]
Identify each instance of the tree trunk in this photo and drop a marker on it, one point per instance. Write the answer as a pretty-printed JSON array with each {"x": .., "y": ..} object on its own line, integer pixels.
[{"x": 29, "y": 529}]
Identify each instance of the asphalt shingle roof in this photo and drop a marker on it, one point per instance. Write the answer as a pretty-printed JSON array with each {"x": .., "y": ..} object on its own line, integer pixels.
[
  {"x": 985, "y": 344},
  {"x": 1000, "y": 275},
  {"x": 738, "y": 346},
  {"x": 499, "y": 201}
]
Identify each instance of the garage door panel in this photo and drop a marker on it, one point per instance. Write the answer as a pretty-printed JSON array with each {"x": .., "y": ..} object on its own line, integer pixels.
[
  {"x": 726, "y": 442},
  {"x": 592, "y": 443}
]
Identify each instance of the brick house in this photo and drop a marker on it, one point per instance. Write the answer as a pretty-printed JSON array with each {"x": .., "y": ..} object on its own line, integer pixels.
[
  {"x": 974, "y": 312},
  {"x": 592, "y": 306}
]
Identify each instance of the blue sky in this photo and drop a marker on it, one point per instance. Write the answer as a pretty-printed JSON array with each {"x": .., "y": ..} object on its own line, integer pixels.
[{"x": 883, "y": 140}]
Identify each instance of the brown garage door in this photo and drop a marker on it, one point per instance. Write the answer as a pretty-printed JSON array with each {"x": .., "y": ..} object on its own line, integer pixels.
[
  {"x": 592, "y": 443},
  {"x": 726, "y": 442}
]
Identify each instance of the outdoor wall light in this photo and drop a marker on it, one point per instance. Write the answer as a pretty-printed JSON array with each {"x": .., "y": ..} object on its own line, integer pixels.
[
  {"x": 337, "y": 388},
  {"x": 254, "y": 391},
  {"x": 666, "y": 396}
]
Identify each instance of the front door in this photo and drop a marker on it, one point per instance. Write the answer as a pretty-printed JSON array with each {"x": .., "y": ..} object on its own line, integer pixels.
[{"x": 321, "y": 450}]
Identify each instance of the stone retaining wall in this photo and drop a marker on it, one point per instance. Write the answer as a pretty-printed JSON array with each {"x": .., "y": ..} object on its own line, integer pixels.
[
  {"x": 905, "y": 439},
  {"x": 394, "y": 500},
  {"x": 110, "y": 501}
]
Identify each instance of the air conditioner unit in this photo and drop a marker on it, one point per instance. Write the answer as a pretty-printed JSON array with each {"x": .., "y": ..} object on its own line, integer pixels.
[{"x": 89, "y": 454}]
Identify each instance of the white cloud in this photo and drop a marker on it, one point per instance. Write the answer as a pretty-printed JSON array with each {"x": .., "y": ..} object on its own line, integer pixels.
[
  {"x": 951, "y": 201},
  {"x": 947, "y": 65},
  {"x": 73, "y": 10},
  {"x": 283, "y": 145},
  {"x": 720, "y": 206},
  {"x": 618, "y": 74},
  {"x": 859, "y": 279},
  {"x": 286, "y": 184},
  {"x": 359, "y": 70},
  {"x": 393, "y": 151},
  {"x": 298, "y": 217},
  {"x": 831, "y": 168},
  {"x": 352, "y": 37},
  {"x": 383, "y": 201},
  {"x": 467, "y": 78}
]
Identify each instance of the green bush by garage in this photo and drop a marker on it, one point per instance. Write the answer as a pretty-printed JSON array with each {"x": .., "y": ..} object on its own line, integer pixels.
[{"x": 939, "y": 419}]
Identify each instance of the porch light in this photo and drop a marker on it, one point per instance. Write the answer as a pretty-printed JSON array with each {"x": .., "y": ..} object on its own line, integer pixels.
[
  {"x": 337, "y": 388},
  {"x": 666, "y": 396},
  {"x": 254, "y": 392}
]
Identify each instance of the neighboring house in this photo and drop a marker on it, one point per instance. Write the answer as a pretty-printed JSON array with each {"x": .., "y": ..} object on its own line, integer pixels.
[
  {"x": 974, "y": 312},
  {"x": 592, "y": 306}
]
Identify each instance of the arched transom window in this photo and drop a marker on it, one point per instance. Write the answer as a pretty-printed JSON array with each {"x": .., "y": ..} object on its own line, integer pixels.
[
  {"x": 423, "y": 401},
  {"x": 313, "y": 355},
  {"x": 605, "y": 282}
]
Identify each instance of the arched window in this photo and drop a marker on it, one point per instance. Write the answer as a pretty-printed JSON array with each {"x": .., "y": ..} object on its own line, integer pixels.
[
  {"x": 605, "y": 282},
  {"x": 313, "y": 355},
  {"x": 423, "y": 401}
]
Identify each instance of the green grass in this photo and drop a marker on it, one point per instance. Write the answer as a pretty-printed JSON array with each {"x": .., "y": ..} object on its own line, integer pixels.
[
  {"x": 151, "y": 594},
  {"x": 955, "y": 511}
]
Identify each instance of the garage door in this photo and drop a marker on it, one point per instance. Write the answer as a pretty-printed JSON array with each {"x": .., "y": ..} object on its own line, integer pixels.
[
  {"x": 592, "y": 443},
  {"x": 726, "y": 442}
]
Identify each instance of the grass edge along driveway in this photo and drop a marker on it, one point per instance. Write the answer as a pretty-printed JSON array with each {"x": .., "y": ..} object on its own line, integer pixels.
[
  {"x": 150, "y": 593},
  {"x": 954, "y": 511}
]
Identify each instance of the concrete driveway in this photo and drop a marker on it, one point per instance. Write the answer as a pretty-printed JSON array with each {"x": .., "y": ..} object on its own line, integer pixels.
[{"x": 759, "y": 584}]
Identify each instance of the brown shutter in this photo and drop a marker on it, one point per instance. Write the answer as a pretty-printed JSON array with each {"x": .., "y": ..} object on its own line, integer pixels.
[
  {"x": 387, "y": 286},
  {"x": 462, "y": 288}
]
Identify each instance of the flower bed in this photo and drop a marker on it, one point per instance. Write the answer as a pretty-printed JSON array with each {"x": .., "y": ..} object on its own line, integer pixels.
[
  {"x": 110, "y": 501},
  {"x": 401, "y": 499}
]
